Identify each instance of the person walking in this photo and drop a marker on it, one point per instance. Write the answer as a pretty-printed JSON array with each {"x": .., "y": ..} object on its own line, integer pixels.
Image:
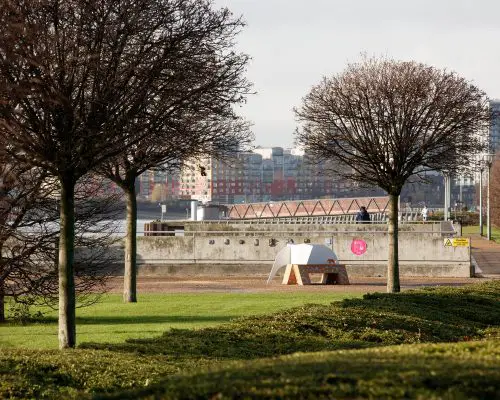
[
  {"x": 363, "y": 217},
  {"x": 424, "y": 213}
]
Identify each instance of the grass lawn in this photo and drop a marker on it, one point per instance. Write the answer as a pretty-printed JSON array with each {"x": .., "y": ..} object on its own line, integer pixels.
[
  {"x": 473, "y": 229},
  {"x": 431, "y": 343},
  {"x": 379, "y": 346},
  {"x": 112, "y": 321}
]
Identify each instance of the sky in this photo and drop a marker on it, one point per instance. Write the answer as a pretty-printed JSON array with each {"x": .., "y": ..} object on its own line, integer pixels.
[{"x": 294, "y": 43}]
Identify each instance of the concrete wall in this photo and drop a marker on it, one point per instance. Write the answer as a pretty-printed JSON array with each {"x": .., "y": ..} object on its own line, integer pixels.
[{"x": 241, "y": 248}]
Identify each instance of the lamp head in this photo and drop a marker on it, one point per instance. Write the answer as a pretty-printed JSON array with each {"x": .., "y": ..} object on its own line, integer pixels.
[{"x": 488, "y": 158}]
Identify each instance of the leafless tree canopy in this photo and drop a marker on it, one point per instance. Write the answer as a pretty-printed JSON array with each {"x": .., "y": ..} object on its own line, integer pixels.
[
  {"x": 383, "y": 122},
  {"x": 81, "y": 78},
  {"x": 196, "y": 84},
  {"x": 81, "y": 81},
  {"x": 196, "y": 87}
]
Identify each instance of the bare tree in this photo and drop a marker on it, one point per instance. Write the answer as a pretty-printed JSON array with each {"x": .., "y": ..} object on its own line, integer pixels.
[
  {"x": 170, "y": 145},
  {"x": 384, "y": 122},
  {"x": 78, "y": 82},
  {"x": 193, "y": 114}
]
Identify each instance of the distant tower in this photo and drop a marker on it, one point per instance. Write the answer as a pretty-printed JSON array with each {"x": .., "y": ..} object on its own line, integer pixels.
[{"x": 494, "y": 133}]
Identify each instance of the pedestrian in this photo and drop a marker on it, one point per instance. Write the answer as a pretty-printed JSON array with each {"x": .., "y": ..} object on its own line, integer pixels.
[
  {"x": 424, "y": 213},
  {"x": 363, "y": 217}
]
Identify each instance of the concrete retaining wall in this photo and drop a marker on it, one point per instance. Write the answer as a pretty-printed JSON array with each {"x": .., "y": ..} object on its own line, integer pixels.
[{"x": 242, "y": 248}]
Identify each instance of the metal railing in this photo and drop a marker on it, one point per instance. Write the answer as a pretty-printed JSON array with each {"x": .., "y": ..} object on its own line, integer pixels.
[{"x": 376, "y": 218}]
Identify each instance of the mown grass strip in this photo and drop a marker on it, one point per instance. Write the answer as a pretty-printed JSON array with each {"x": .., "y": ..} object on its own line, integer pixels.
[
  {"x": 112, "y": 321},
  {"x": 474, "y": 229}
]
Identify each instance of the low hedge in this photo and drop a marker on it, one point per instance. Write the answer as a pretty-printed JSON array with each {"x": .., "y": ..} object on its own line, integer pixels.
[{"x": 438, "y": 371}]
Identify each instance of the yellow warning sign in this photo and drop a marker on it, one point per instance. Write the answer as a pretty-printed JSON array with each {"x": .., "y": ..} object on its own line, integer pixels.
[
  {"x": 456, "y": 242},
  {"x": 460, "y": 242}
]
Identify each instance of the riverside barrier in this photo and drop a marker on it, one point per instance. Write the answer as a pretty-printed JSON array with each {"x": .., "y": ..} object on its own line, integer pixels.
[{"x": 214, "y": 248}]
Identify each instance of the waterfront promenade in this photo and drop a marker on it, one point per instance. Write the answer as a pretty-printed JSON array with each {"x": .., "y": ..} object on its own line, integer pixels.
[{"x": 486, "y": 254}]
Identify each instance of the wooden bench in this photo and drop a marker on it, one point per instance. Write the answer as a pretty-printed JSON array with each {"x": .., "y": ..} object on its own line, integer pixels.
[{"x": 331, "y": 274}]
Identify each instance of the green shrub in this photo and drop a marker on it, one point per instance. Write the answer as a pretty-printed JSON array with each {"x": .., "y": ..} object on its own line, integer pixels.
[
  {"x": 316, "y": 344},
  {"x": 427, "y": 315},
  {"x": 437, "y": 371}
]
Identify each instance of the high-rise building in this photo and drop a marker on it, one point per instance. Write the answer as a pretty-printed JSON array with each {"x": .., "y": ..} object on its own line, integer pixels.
[
  {"x": 494, "y": 131},
  {"x": 222, "y": 181},
  {"x": 261, "y": 175},
  {"x": 151, "y": 181}
]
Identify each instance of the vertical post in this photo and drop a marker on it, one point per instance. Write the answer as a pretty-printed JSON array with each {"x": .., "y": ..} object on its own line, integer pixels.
[
  {"x": 446, "y": 204},
  {"x": 488, "y": 215},
  {"x": 460, "y": 192},
  {"x": 163, "y": 211},
  {"x": 400, "y": 215},
  {"x": 481, "y": 201},
  {"x": 449, "y": 196},
  {"x": 445, "y": 184},
  {"x": 194, "y": 210}
]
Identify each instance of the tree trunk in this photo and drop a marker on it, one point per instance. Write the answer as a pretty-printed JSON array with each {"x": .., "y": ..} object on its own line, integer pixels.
[
  {"x": 2, "y": 303},
  {"x": 67, "y": 324},
  {"x": 130, "y": 273},
  {"x": 393, "y": 256}
]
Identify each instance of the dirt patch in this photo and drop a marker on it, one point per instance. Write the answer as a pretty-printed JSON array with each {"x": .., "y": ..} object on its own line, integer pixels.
[{"x": 257, "y": 284}]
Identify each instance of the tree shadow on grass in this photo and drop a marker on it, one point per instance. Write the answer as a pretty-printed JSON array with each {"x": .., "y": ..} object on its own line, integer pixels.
[
  {"x": 152, "y": 319},
  {"x": 428, "y": 315},
  {"x": 215, "y": 343},
  {"x": 137, "y": 319},
  {"x": 410, "y": 372}
]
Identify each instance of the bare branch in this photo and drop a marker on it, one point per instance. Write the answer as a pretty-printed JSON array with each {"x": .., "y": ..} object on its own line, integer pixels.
[{"x": 382, "y": 122}]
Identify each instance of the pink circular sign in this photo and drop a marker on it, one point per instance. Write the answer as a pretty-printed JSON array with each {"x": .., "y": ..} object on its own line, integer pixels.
[{"x": 358, "y": 247}]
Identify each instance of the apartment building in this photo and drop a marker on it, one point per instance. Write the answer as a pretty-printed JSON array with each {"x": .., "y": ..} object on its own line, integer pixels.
[
  {"x": 275, "y": 173},
  {"x": 260, "y": 175}
]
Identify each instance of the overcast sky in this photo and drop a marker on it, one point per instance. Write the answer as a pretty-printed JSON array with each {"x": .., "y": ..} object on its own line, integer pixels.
[{"x": 294, "y": 43}]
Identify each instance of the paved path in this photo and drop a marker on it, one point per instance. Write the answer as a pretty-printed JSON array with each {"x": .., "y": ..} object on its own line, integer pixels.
[
  {"x": 486, "y": 253},
  {"x": 257, "y": 284}
]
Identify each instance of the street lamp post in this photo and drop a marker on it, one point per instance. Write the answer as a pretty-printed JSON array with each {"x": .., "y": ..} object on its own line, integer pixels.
[
  {"x": 447, "y": 196},
  {"x": 481, "y": 169},
  {"x": 445, "y": 208},
  {"x": 488, "y": 158}
]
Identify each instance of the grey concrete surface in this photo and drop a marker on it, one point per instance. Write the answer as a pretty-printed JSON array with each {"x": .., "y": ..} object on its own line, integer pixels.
[
  {"x": 238, "y": 248},
  {"x": 486, "y": 257}
]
